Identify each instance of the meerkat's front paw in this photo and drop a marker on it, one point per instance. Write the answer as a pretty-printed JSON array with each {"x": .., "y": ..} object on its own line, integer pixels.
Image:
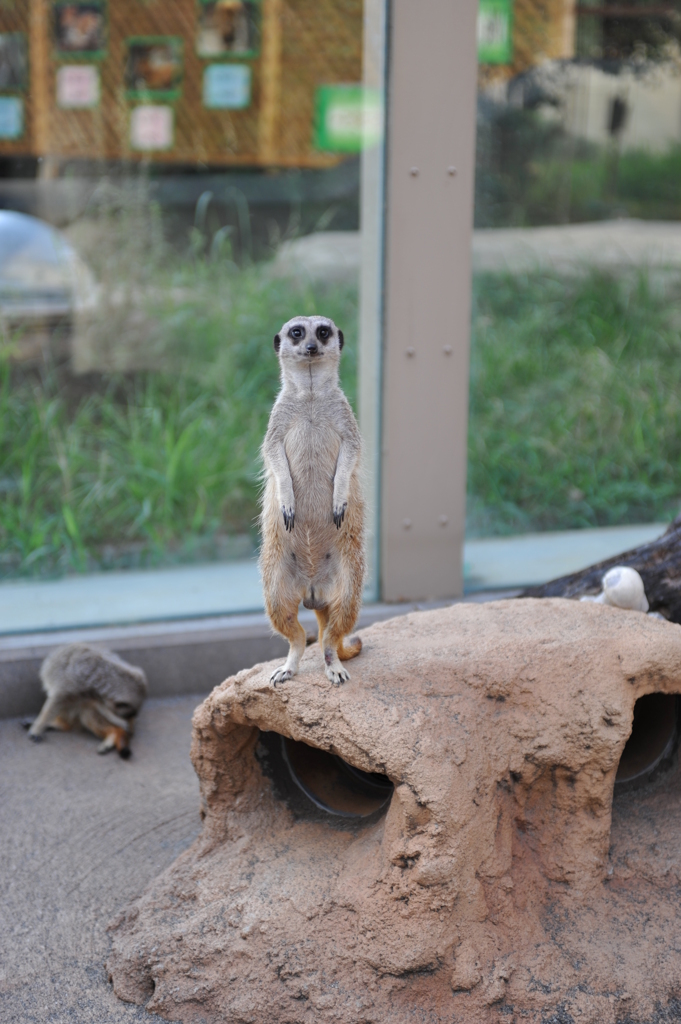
[
  {"x": 339, "y": 514},
  {"x": 36, "y": 737},
  {"x": 280, "y": 675},
  {"x": 289, "y": 517}
]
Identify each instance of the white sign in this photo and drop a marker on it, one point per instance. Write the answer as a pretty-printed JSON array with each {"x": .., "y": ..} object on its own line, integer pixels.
[
  {"x": 342, "y": 120},
  {"x": 151, "y": 127},
  {"x": 77, "y": 86}
]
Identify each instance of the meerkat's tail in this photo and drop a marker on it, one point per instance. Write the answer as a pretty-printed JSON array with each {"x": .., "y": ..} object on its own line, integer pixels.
[{"x": 350, "y": 648}]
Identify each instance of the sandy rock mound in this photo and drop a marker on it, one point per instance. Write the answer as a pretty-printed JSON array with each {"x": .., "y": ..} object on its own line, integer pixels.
[{"x": 493, "y": 888}]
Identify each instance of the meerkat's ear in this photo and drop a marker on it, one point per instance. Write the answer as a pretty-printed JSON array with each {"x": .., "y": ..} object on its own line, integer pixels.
[
  {"x": 277, "y": 343},
  {"x": 341, "y": 339}
]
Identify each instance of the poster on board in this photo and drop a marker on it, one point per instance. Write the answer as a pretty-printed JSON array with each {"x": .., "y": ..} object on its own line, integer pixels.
[
  {"x": 79, "y": 28},
  {"x": 11, "y": 117},
  {"x": 348, "y": 118},
  {"x": 228, "y": 27},
  {"x": 77, "y": 86},
  {"x": 227, "y": 86},
  {"x": 151, "y": 127},
  {"x": 495, "y": 23},
  {"x": 13, "y": 61},
  {"x": 154, "y": 66}
]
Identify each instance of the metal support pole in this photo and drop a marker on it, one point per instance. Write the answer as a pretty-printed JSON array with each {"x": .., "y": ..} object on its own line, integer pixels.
[
  {"x": 371, "y": 278},
  {"x": 430, "y": 170}
]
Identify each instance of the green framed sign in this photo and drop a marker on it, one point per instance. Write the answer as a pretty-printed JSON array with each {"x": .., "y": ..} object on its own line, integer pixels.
[
  {"x": 228, "y": 29},
  {"x": 347, "y": 118},
  {"x": 495, "y": 24},
  {"x": 79, "y": 29},
  {"x": 153, "y": 67},
  {"x": 13, "y": 62}
]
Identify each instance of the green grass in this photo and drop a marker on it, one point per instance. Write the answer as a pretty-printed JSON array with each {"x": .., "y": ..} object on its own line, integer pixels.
[
  {"x": 636, "y": 183},
  {"x": 154, "y": 466},
  {"x": 575, "y": 402},
  {"x": 575, "y": 416},
  {"x": 530, "y": 172}
]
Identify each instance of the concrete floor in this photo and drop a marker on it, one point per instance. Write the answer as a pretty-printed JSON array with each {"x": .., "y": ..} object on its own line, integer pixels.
[{"x": 80, "y": 836}]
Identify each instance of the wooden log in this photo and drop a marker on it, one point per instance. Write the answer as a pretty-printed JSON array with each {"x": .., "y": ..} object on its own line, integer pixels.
[{"x": 658, "y": 562}]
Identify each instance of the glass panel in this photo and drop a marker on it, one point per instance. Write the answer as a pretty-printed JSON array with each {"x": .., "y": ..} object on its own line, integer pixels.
[
  {"x": 176, "y": 180},
  {"x": 574, "y": 417}
]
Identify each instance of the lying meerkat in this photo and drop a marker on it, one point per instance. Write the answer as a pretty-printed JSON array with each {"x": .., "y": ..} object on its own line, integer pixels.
[
  {"x": 312, "y": 517},
  {"x": 94, "y": 689}
]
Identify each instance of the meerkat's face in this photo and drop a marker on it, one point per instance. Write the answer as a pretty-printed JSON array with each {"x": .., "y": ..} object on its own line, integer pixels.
[
  {"x": 123, "y": 708},
  {"x": 309, "y": 340},
  {"x": 126, "y": 697}
]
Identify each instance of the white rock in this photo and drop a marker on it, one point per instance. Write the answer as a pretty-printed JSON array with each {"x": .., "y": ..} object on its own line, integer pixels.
[{"x": 622, "y": 588}]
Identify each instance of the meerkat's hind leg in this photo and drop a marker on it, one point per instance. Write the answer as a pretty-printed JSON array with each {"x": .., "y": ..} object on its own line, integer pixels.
[
  {"x": 346, "y": 649},
  {"x": 335, "y": 672},
  {"x": 59, "y": 724},
  {"x": 285, "y": 621},
  {"x": 107, "y": 744},
  {"x": 113, "y": 737},
  {"x": 49, "y": 713},
  {"x": 340, "y": 622},
  {"x": 322, "y": 615}
]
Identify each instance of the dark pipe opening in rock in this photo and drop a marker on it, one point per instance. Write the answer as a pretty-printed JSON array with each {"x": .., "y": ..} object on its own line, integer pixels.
[
  {"x": 322, "y": 786},
  {"x": 652, "y": 741}
]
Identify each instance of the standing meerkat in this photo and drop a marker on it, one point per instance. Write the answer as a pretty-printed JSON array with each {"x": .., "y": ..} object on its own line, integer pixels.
[
  {"x": 312, "y": 517},
  {"x": 94, "y": 689}
]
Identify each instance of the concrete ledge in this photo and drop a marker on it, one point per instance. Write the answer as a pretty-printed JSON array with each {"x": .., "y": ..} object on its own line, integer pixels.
[{"x": 181, "y": 657}]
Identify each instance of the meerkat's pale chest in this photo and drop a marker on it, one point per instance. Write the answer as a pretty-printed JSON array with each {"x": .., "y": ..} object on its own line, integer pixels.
[{"x": 312, "y": 451}]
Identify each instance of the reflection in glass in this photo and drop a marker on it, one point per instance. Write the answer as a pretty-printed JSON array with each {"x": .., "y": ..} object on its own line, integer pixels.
[
  {"x": 79, "y": 27},
  {"x": 228, "y": 26},
  {"x": 13, "y": 61},
  {"x": 153, "y": 65},
  {"x": 575, "y": 417},
  {"x": 193, "y": 213}
]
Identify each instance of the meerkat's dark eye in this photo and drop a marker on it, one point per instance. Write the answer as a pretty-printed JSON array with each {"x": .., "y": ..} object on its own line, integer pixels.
[
  {"x": 296, "y": 334},
  {"x": 323, "y": 333}
]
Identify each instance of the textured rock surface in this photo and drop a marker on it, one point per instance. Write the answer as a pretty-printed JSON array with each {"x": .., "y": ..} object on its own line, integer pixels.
[{"x": 492, "y": 887}]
